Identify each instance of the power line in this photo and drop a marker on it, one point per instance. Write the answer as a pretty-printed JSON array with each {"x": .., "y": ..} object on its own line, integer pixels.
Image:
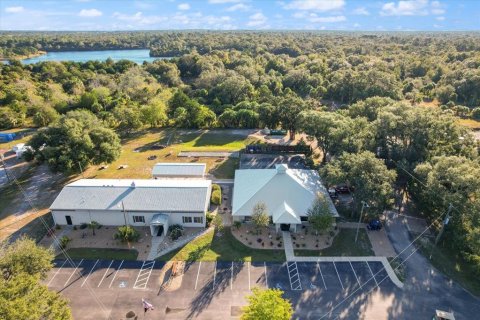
[{"x": 56, "y": 240}]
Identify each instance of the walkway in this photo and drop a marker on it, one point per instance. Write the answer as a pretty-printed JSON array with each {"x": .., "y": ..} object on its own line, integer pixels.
[
  {"x": 156, "y": 242},
  {"x": 288, "y": 245}
]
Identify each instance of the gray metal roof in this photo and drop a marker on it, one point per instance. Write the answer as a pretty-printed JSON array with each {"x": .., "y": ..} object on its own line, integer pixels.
[
  {"x": 136, "y": 195},
  {"x": 179, "y": 169}
]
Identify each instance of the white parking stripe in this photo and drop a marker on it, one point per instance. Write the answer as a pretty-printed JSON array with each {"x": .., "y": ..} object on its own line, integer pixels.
[
  {"x": 266, "y": 279},
  {"x": 73, "y": 272},
  {"x": 119, "y": 267},
  {"x": 198, "y": 273},
  {"x": 58, "y": 270},
  {"x": 323, "y": 280},
  {"x": 372, "y": 274},
  {"x": 214, "y": 274},
  {"x": 355, "y": 273},
  {"x": 338, "y": 275},
  {"x": 231, "y": 277},
  {"x": 248, "y": 264},
  {"x": 105, "y": 274},
  {"x": 85, "y": 280},
  {"x": 294, "y": 276},
  {"x": 144, "y": 275}
]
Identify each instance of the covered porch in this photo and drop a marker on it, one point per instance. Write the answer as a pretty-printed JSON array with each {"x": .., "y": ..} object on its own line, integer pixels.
[
  {"x": 285, "y": 218},
  {"x": 159, "y": 225}
]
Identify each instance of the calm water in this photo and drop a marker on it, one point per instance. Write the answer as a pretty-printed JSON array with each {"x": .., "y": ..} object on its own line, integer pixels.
[{"x": 137, "y": 56}]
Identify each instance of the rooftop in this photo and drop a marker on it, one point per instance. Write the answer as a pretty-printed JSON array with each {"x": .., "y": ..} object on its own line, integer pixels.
[{"x": 179, "y": 169}]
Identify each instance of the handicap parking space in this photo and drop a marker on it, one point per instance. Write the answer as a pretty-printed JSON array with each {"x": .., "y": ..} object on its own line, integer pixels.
[
  {"x": 277, "y": 276},
  {"x": 311, "y": 276}
]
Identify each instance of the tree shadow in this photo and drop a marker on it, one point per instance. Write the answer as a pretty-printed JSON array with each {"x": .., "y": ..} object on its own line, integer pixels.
[{"x": 225, "y": 169}]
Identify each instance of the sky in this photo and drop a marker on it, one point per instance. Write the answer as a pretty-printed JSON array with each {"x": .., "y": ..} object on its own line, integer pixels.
[{"x": 361, "y": 15}]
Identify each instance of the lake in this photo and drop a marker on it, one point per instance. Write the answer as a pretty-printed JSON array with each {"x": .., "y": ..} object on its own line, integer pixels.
[{"x": 137, "y": 56}]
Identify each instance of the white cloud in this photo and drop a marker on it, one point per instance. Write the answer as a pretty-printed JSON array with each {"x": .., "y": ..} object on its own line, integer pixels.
[
  {"x": 361, "y": 11},
  {"x": 256, "y": 20},
  {"x": 440, "y": 18},
  {"x": 412, "y": 8},
  {"x": 90, "y": 13},
  {"x": 356, "y": 25},
  {"x": 14, "y": 9},
  {"x": 238, "y": 7},
  {"x": 315, "y": 5},
  {"x": 183, "y": 6},
  {"x": 140, "y": 19},
  {"x": 314, "y": 18},
  {"x": 223, "y": 1}
]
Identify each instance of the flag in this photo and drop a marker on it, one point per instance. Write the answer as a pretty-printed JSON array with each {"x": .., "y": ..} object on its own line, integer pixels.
[{"x": 147, "y": 306}]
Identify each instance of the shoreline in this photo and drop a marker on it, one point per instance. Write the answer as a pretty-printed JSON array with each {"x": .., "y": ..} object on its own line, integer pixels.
[{"x": 23, "y": 57}]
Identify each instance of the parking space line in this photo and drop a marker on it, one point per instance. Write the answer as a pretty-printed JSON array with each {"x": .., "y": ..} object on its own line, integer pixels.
[
  {"x": 119, "y": 267},
  {"x": 266, "y": 279},
  {"x": 294, "y": 276},
  {"x": 105, "y": 274},
  {"x": 354, "y": 273},
  {"x": 144, "y": 275},
  {"x": 338, "y": 275},
  {"x": 231, "y": 277},
  {"x": 85, "y": 280},
  {"x": 73, "y": 273},
  {"x": 58, "y": 270},
  {"x": 214, "y": 274},
  {"x": 323, "y": 279},
  {"x": 248, "y": 265},
  {"x": 198, "y": 273},
  {"x": 371, "y": 272}
]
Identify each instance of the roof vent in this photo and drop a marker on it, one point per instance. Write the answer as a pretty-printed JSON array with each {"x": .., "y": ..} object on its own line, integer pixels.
[
  {"x": 281, "y": 168},
  {"x": 133, "y": 184}
]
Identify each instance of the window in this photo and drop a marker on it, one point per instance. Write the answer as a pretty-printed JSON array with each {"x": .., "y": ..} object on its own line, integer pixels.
[
  {"x": 187, "y": 219},
  {"x": 138, "y": 219},
  {"x": 248, "y": 218},
  {"x": 198, "y": 219},
  {"x": 304, "y": 218}
]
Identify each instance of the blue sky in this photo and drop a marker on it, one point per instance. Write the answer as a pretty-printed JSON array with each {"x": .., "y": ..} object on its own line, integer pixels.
[{"x": 379, "y": 15}]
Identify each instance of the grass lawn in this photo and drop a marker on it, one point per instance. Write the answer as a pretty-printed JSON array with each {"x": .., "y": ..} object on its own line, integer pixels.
[
  {"x": 10, "y": 191},
  {"x": 343, "y": 245},
  {"x": 470, "y": 123},
  {"x": 451, "y": 263},
  {"x": 224, "y": 248},
  {"x": 98, "y": 253},
  {"x": 136, "y": 150}
]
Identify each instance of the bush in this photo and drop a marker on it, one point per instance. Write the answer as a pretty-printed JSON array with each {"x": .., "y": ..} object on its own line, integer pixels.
[
  {"x": 216, "y": 187},
  {"x": 237, "y": 224},
  {"x": 216, "y": 197},
  {"x": 58, "y": 227},
  {"x": 83, "y": 226},
  {"x": 127, "y": 234},
  {"x": 175, "y": 231},
  {"x": 209, "y": 219},
  {"x": 63, "y": 242}
]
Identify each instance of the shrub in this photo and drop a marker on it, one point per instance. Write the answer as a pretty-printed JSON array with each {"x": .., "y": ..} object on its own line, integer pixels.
[
  {"x": 216, "y": 197},
  {"x": 63, "y": 242},
  {"x": 237, "y": 224},
  {"x": 259, "y": 240},
  {"x": 209, "y": 218},
  {"x": 216, "y": 187},
  {"x": 175, "y": 231},
  {"x": 75, "y": 228},
  {"x": 58, "y": 227},
  {"x": 127, "y": 234},
  {"x": 83, "y": 226}
]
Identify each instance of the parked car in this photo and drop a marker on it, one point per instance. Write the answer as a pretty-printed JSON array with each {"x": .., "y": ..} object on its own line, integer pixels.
[
  {"x": 342, "y": 189},
  {"x": 374, "y": 225},
  {"x": 443, "y": 315},
  {"x": 157, "y": 146},
  {"x": 333, "y": 193}
]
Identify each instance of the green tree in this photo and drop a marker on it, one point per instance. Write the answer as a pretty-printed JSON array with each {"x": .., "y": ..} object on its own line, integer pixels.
[
  {"x": 289, "y": 110},
  {"x": 319, "y": 215},
  {"x": 372, "y": 181},
  {"x": 44, "y": 116},
  {"x": 260, "y": 216},
  {"x": 218, "y": 223},
  {"x": 267, "y": 304},
  {"x": 127, "y": 234},
  {"x": 93, "y": 225}
]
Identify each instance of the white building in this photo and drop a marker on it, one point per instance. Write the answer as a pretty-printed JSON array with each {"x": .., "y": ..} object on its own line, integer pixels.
[
  {"x": 154, "y": 203},
  {"x": 178, "y": 170},
  {"x": 287, "y": 194}
]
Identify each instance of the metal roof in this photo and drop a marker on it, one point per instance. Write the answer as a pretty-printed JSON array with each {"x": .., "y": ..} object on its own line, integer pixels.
[
  {"x": 136, "y": 195},
  {"x": 278, "y": 189},
  {"x": 179, "y": 169}
]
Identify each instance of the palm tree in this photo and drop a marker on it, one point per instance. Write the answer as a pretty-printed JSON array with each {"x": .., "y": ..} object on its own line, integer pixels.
[{"x": 93, "y": 225}]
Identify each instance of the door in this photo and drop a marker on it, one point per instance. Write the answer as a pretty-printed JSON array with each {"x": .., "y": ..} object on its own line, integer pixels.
[
  {"x": 69, "y": 220},
  {"x": 285, "y": 227},
  {"x": 160, "y": 231}
]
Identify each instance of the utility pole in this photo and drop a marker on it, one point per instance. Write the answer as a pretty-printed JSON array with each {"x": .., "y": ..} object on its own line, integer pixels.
[
  {"x": 444, "y": 224},
  {"x": 81, "y": 170},
  {"x": 124, "y": 216},
  {"x": 364, "y": 204}
]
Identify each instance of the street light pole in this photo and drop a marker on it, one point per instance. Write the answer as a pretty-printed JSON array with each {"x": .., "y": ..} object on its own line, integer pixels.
[
  {"x": 364, "y": 204},
  {"x": 444, "y": 223}
]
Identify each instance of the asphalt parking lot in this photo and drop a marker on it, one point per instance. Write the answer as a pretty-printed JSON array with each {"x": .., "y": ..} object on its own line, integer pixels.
[
  {"x": 268, "y": 161},
  {"x": 210, "y": 290}
]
